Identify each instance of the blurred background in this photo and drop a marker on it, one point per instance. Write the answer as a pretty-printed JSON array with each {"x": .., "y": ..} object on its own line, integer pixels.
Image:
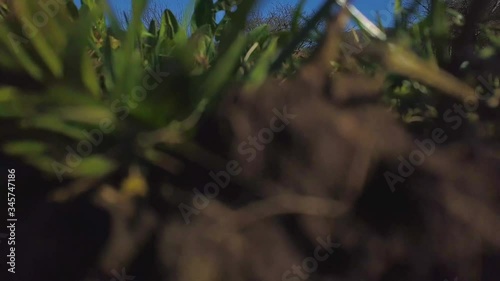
[{"x": 250, "y": 140}]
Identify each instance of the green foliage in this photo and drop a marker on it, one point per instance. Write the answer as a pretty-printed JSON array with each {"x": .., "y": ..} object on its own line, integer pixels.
[
  {"x": 432, "y": 37},
  {"x": 156, "y": 78},
  {"x": 150, "y": 83}
]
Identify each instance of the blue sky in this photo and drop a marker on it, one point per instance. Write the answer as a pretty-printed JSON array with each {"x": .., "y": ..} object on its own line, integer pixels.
[{"x": 371, "y": 8}]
